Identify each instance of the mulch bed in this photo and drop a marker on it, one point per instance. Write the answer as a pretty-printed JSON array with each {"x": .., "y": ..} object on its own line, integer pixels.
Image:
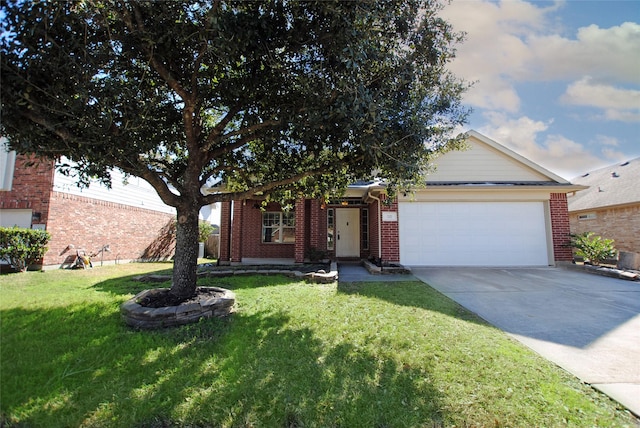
[
  {"x": 164, "y": 298},
  {"x": 302, "y": 267}
]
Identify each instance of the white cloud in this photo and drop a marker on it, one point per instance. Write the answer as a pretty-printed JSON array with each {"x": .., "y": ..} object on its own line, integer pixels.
[
  {"x": 614, "y": 155},
  {"x": 606, "y": 140},
  {"x": 607, "y": 53},
  {"x": 515, "y": 41},
  {"x": 494, "y": 48},
  {"x": 616, "y": 103},
  {"x": 556, "y": 153}
]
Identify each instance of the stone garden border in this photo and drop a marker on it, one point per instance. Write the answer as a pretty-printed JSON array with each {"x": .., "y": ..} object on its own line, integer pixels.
[
  {"x": 319, "y": 276},
  {"x": 207, "y": 306}
]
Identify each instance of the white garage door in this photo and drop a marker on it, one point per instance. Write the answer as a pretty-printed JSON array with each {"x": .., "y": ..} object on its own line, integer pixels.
[{"x": 472, "y": 234}]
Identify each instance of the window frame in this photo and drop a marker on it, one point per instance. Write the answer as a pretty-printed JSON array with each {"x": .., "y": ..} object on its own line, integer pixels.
[
  {"x": 364, "y": 228},
  {"x": 285, "y": 222},
  {"x": 331, "y": 226}
]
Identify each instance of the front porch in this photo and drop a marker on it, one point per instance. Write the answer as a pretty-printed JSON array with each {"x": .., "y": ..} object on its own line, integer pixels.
[{"x": 356, "y": 227}]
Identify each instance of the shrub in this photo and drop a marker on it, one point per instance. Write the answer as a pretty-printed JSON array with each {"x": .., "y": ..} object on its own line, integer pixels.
[
  {"x": 22, "y": 247},
  {"x": 206, "y": 229},
  {"x": 593, "y": 248}
]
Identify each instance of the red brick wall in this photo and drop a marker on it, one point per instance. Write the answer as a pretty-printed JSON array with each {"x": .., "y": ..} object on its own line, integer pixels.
[
  {"x": 246, "y": 231},
  {"x": 130, "y": 232},
  {"x": 301, "y": 235},
  {"x": 31, "y": 189},
  {"x": 225, "y": 231},
  {"x": 560, "y": 227},
  {"x": 317, "y": 225},
  {"x": 390, "y": 235},
  {"x": 248, "y": 242},
  {"x": 374, "y": 220}
]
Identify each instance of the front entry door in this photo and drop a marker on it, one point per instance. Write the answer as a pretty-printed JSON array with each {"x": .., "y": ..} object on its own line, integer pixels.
[{"x": 347, "y": 232}]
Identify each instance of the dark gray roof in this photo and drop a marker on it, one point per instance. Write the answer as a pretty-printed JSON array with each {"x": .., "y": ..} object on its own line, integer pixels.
[{"x": 616, "y": 184}]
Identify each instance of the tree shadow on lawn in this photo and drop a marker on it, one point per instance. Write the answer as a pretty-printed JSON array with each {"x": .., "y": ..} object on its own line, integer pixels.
[
  {"x": 80, "y": 366},
  {"x": 412, "y": 294},
  {"x": 129, "y": 285}
]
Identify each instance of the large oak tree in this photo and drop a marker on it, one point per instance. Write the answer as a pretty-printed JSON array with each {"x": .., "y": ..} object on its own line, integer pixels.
[{"x": 263, "y": 98}]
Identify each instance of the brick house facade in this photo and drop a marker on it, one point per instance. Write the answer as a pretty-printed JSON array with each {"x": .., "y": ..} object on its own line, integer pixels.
[
  {"x": 474, "y": 191},
  {"x": 622, "y": 224},
  {"x": 378, "y": 240},
  {"x": 82, "y": 222},
  {"x": 480, "y": 187},
  {"x": 610, "y": 207}
]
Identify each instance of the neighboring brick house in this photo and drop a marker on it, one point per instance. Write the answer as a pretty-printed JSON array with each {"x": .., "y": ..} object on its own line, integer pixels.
[
  {"x": 130, "y": 219},
  {"x": 610, "y": 207},
  {"x": 485, "y": 206}
]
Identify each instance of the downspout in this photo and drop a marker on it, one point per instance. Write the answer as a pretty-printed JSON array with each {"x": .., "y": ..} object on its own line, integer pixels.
[
  {"x": 379, "y": 223},
  {"x": 230, "y": 222}
]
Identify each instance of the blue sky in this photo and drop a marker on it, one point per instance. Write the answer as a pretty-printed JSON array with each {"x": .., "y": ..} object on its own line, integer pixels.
[{"x": 556, "y": 81}]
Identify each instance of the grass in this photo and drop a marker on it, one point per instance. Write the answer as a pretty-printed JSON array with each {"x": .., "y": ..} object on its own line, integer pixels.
[{"x": 293, "y": 355}]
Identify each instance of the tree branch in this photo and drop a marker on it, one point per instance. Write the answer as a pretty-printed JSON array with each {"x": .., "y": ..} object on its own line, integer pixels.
[
  {"x": 165, "y": 74},
  {"x": 154, "y": 179},
  {"x": 217, "y": 130},
  {"x": 223, "y": 197}
]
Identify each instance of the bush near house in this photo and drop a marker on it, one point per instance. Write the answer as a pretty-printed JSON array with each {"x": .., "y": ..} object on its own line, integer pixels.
[
  {"x": 205, "y": 229},
  {"x": 593, "y": 248},
  {"x": 22, "y": 247}
]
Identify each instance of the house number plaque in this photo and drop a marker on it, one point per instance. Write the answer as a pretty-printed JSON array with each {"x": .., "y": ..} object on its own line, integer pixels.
[{"x": 389, "y": 216}]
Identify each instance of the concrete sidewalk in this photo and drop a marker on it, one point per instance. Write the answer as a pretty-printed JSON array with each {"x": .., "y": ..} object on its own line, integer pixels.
[
  {"x": 355, "y": 272},
  {"x": 587, "y": 324}
]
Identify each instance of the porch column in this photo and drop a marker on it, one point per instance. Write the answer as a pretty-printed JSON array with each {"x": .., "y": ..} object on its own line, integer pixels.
[
  {"x": 315, "y": 228},
  {"x": 300, "y": 230},
  {"x": 225, "y": 232},
  {"x": 560, "y": 229},
  {"x": 390, "y": 234},
  {"x": 236, "y": 231}
]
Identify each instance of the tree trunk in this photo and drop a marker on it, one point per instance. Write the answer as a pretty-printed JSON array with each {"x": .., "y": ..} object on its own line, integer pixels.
[{"x": 185, "y": 262}]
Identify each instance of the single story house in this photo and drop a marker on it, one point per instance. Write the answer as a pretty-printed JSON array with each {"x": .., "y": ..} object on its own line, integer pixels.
[
  {"x": 610, "y": 207},
  {"x": 484, "y": 206}
]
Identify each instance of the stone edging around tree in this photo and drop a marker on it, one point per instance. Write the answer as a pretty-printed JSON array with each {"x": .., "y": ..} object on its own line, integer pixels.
[{"x": 214, "y": 302}]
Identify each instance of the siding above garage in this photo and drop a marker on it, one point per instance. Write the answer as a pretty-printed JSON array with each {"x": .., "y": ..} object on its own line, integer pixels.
[
  {"x": 484, "y": 160},
  {"x": 485, "y": 206}
]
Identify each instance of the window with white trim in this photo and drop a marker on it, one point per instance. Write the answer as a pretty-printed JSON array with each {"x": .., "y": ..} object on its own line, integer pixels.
[
  {"x": 279, "y": 227},
  {"x": 364, "y": 226},
  {"x": 330, "y": 228}
]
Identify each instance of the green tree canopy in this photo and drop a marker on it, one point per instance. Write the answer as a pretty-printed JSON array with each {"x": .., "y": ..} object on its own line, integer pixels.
[{"x": 259, "y": 97}]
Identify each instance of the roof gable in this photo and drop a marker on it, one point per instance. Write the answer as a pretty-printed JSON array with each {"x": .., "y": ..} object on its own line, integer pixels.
[
  {"x": 488, "y": 161},
  {"x": 617, "y": 184}
]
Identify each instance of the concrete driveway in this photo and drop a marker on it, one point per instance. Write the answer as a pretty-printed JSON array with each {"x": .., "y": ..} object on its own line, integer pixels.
[{"x": 585, "y": 323}]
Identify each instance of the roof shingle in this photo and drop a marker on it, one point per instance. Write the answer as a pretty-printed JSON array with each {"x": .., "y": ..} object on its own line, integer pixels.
[{"x": 616, "y": 184}]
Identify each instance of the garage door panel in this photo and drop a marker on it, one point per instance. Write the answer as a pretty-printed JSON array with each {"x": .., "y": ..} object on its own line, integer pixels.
[{"x": 472, "y": 234}]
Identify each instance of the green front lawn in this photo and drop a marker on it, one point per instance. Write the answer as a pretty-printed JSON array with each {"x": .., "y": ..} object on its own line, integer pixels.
[{"x": 293, "y": 355}]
